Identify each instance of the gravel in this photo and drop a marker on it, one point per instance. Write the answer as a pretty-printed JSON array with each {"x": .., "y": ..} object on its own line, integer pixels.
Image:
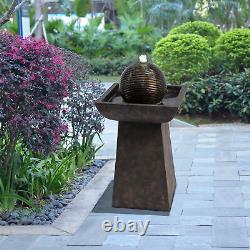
[{"x": 55, "y": 204}]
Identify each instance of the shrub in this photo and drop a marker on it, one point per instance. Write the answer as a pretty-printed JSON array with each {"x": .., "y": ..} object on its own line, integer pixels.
[
  {"x": 112, "y": 67},
  {"x": 182, "y": 57},
  {"x": 204, "y": 29},
  {"x": 81, "y": 113},
  {"x": 34, "y": 81},
  {"x": 228, "y": 94},
  {"x": 233, "y": 51}
]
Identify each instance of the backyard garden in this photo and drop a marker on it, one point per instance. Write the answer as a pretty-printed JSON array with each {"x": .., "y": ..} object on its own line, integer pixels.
[{"x": 47, "y": 89}]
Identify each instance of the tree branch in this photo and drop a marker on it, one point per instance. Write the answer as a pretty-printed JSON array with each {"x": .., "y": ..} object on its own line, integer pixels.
[{"x": 13, "y": 8}]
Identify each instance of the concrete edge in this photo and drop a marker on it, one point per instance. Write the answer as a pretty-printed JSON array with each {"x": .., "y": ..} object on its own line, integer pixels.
[
  {"x": 178, "y": 123},
  {"x": 75, "y": 213}
]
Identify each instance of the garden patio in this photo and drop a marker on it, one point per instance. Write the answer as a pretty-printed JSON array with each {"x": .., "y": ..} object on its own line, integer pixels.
[{"x": 211, "y": 208}]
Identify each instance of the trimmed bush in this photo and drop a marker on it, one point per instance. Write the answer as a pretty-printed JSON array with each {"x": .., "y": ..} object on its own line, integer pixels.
[
  {"x": 204, "y": 29},
  {"x": 233, "y": 50},
  {"x": 182, "y": 57},
  {"x": 220, "y": 94}
]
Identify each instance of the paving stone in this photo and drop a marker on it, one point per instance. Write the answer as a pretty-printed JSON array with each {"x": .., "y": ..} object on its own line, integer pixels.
[
  {"x": 199, "y": 146},
  {"x": 229, "y": 232},
  {"x": 195, "y": 196},
  {"x": 200, "y": 178},
  {"x": 226, "y": 174},
  {"x": 164, "y": 220},
  {"x": 182, "y": 164},
  {"x": 245, "y": 178},
  {"x": 221, "y": 212},
  {"x": 244, "y": 173},
  {"x": 176, "y": 209},
  {"x": 202, "y": 171},
  {"x": 203, "y": 160},
  {"x": 228, "y": 197},
  {"x": 106, "y": 247},
  {"x": 196, "y": 220},
  {"x": 202, "y": 139},
  {"x": 197, "y": 204},
  {"x": 51, "y": 242},
  {"x": 229, "y": 222},
  {"x": 122, "y": 240},
  {"x": 20, "y": 242},
  {"x": 167, "y": 230},
  {"x": 227, "y": 183},
  {"x": 157, "y": 243},
  {"x": 194, "y": 188},
  {"x": 190, "y": 242},
  {"x": 182, "y": 185},
  {"x": 86, "y": 235},
  {"x": 245, "y": 190},
  {"x": 243, "y": 153},
  {"x": 226, "y": 156},
  {"x": 198, "y": 231}
]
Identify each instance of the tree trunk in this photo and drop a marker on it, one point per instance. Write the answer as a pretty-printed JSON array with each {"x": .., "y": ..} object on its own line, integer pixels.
[{"x": 38, "y": 14}]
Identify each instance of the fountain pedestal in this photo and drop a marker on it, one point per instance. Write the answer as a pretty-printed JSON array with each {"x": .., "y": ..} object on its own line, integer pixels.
[{"x": 144, "y": 169}]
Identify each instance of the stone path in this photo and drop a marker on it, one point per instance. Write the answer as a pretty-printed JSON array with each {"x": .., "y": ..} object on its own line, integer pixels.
[{"x": 211, "y": 208}]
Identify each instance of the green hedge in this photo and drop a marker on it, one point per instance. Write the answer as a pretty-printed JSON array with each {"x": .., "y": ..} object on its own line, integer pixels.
[
  {"x": 107, "y": 66},
  {"x": 204, "y": 29},
  {"x": 182, "y": 57},
  {"x": 219, "y": 94},
  {"x": 232, "y": 50}
]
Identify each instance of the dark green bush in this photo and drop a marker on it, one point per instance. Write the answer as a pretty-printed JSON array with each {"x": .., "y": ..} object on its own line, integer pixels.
[
  {"x": 204, "y": 29},
  {"x": 220, "y": 94},
  {"x": 182, "y": 57},
  {"x": 112, "y": 67},
  {"x": 233, "y": 50}
]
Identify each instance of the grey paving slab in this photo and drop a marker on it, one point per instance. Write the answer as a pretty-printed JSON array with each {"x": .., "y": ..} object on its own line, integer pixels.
[
  {"x": 226, "y": 174},
  {"x": 20, "y": 242},
  {"x": 122, "y": 240},
  {"x": 87, "y": 233},
  {"x": 157, "y": 243},
  {"x": 196, "y": 220},
  {"x": 164, "y": 220},
  {"x": 197, "y": 204},
  {"x": 50, "y": 242},
  {"x": 230, "y": 232},
  {"x": 167, "y": 230},
  {"x": 195, "y": 196},
  {"x": 228, "y": 197},
  {"x": 106, "y": 247},
  {"x": 226, "y": 183},
  {"x": 192, "y": 242},
  {"x": 221, "y": 212}
]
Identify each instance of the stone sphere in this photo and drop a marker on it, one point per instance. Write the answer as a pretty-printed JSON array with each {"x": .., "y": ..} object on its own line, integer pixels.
[{"x": 142, "y": 83}]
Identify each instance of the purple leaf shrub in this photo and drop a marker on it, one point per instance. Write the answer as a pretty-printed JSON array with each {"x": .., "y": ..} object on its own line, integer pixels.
[{"x": 34, "y": 80}]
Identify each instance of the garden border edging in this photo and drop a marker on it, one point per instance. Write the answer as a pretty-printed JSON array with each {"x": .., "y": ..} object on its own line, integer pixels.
[{"x": 75, "y": 213}]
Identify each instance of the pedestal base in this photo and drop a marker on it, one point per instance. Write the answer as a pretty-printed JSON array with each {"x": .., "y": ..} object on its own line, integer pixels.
[{"x": 144, "y": 171}]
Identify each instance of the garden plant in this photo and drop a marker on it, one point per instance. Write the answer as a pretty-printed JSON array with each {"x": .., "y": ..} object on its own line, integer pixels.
[{"x": 47, "y": 119}]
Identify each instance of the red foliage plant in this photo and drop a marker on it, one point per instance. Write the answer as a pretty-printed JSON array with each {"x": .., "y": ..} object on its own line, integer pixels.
[{"x": 34, "y": 81}]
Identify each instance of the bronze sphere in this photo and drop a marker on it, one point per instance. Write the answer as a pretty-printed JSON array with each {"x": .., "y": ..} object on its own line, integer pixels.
[{"x": 142, "y": 83}]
